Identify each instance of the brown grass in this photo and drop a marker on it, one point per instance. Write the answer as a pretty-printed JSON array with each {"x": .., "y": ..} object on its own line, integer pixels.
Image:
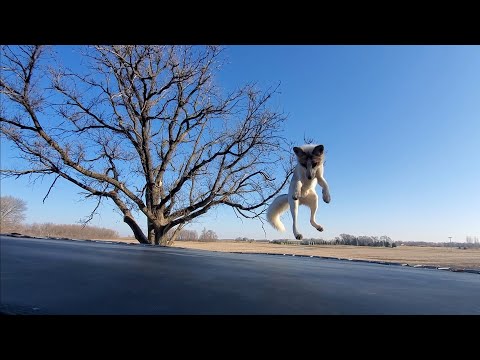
[{"x": 411, "y": 255}]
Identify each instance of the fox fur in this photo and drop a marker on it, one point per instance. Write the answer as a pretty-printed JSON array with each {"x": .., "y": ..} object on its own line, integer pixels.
[{"x": 307, "y": 174}]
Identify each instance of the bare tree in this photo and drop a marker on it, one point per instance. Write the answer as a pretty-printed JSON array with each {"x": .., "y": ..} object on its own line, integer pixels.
[
  {"x": 187, "y": 235},
  {"x": 208, "y": 235},
  {"x": 145, "y": 127},
  {"x": 12, "y": 212}
]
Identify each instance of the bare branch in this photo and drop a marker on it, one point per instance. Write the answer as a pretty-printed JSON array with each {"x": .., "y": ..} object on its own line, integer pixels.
[{"x": 50, "y": 188}]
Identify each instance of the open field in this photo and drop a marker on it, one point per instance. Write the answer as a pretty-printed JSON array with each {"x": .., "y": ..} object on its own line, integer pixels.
[{"x": 412, "y": 255}]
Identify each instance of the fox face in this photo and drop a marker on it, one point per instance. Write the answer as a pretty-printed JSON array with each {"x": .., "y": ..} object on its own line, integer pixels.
[{"x": 309, "y": 159}]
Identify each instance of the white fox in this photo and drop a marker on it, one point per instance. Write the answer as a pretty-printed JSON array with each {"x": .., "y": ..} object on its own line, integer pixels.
[{"x": 307, "y": 173}]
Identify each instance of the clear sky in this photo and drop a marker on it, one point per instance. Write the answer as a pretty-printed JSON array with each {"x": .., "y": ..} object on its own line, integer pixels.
[{"x": 401, "y": 129}]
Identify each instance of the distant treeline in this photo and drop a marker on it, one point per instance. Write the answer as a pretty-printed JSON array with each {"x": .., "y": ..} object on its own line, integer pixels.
[
  {"x": 93, "y": 232},
  {"x": 466, "y": 245},
  {"x": 192, "y": 235},
  {"x": 385, "y": 241},
  {"x": 346, "y": 239},
  {"x": 66, "y": 231}
]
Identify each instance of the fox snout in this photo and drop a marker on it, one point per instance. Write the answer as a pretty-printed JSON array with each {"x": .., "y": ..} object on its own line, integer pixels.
[{"x": 310, "y": 172}]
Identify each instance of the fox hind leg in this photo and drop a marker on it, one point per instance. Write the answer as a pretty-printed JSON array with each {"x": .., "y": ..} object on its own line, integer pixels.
[
  {"x": 312, "y": 202},
  {"x": 294, "y": 210}
]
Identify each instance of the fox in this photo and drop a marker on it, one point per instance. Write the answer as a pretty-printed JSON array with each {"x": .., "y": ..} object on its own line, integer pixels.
[{"x": 307, "y": 174}]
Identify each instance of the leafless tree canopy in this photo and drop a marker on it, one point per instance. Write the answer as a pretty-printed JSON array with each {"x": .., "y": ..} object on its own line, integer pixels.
[
  {"x": 12, "y": 212},
  {"x": 208, "y": 235},
  {"x": 145, "y": 127},
  {"x": 187, "y": 235}
]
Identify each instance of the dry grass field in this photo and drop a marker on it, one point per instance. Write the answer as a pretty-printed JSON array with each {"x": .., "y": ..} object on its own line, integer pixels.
[{"x": 411, "y": 255}]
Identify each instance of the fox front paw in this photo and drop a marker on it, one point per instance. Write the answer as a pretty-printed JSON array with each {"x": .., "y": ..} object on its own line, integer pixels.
[
  {"x": 326, "y": 196},
  {"x": 299, "y": 236},
  {"x": 296, "y": 196}
]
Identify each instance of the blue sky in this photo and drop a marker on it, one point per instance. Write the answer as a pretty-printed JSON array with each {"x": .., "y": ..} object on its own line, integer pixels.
[{"x": 401, "y": 129}]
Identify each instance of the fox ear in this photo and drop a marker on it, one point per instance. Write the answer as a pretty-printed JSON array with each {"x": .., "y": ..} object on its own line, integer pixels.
[
  {"x": 318, "y": 150},
  {"x": 299, "y": 152}
]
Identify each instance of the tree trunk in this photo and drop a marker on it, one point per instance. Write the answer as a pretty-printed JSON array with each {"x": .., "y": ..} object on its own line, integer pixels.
[
  {"x": 139, "y": 235},
  {"x": 150, "y": 226},
  {"x": 160, "y": 235},
  {"x": 150, "y": 232}
]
